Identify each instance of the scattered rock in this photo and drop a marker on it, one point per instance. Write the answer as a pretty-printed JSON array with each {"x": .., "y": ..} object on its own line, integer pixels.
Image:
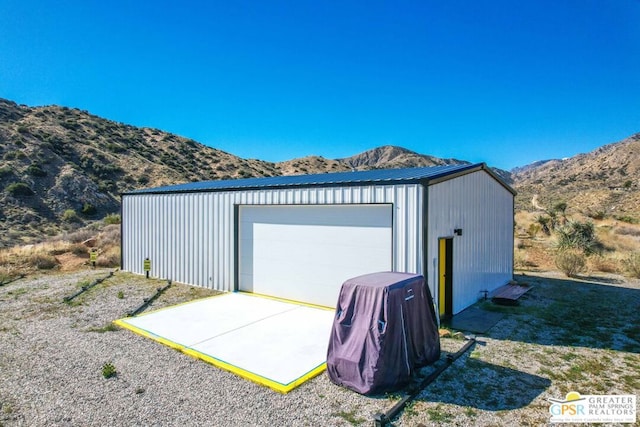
[{"x": 90, "y": 242}]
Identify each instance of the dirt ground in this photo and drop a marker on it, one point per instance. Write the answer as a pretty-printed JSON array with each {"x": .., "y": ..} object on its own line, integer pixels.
[{"x": 579, "y": 335}]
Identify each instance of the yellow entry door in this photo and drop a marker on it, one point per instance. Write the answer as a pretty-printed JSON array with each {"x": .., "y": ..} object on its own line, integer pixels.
[{"x": 445, "y": 277}]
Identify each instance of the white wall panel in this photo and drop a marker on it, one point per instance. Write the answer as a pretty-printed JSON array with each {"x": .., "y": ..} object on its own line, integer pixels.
[
  {"x": 190, "y": 236},
  {"x": 483, "y": 255}
]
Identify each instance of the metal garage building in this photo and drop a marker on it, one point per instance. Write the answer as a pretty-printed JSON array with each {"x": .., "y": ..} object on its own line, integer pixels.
[{"x": 301, "y": 237}]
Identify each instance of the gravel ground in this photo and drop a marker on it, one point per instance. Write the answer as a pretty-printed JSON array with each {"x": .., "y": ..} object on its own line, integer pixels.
[{"x": 52, "y": 353}]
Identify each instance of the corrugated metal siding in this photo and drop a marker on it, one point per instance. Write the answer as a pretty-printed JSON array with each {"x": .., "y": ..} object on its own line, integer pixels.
[
  {"x": 189, "y": 237},
  {"x": 483, "y": 255}
]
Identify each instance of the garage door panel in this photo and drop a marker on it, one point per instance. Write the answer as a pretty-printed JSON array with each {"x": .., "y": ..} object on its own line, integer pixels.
[
  {"x": 345, "y": 215},
  {"x": 271, "y": 269},
  {"x": 305, "y": 253},
  {"x": 359, "y": 236},
  {"x": 309, "y": 254},
  {"x": 310, "y": 258},
  {"x": 306, "y": 249},
  {"x": 270, "y": 230}
]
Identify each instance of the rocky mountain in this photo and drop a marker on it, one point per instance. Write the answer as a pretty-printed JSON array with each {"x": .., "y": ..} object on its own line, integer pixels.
[
  {"x": 62, "y": 167},
  {"x": 519, "y": 170},
  {"x": 311, "y": 164},
  {"x": 604, "y": 182},
  {"x": 389, "y": 157},
  {"x": 386, "y": 157}
]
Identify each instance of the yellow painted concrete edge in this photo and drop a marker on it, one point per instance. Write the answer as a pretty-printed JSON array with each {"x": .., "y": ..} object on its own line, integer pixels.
[
  {"x": 288, "y": 301},
  {"x": 274, "y": 385},
  {"x": 251, "y": 294}
]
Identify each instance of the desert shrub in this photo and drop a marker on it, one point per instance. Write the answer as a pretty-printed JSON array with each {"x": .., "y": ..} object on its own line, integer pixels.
[
  {"x": 8, "y": 272},
  {"x": 598, "y": 214},
  {"x": 604, "y": 264},
  {"x": 629, "y": 231},
  {"x": 42, "y": 261},
  {"x": 570, "y": 262},
  {"x": 110, "y": 236},
  {"x": 626, "y": 218},
  {"x": 560, "y": 207},
  {"x": 19, "y": 189},
  {"x": 106, "y": 186},
  {"x": 632, "y": 264},
  {"x": 35, "y": 169},
  {"x": 112, "y": 219},
  {"x": 88, "y": 209},
  {"x": 115, "y": 148},
  {"x": 106, "y": 170},
  {"x": 58, "y": 247},
  {"x": 580, "y": 236},
  {"x": 70, "y": 216},
  {"x": 69, "y": 124},
  {"x": 545, "y": 224},
  {"x": 519, "y": 259},
  {"x": 79, "y": 250},
  {"x": 79, "y": 236},
  {"x": 167, "y": 158},
  {"x": 533, "y": 230},
  {"x": 110, "y": 258}
]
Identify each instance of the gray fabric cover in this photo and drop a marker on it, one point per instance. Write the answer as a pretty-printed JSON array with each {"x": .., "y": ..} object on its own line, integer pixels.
[{"x": 385, "y": 328}]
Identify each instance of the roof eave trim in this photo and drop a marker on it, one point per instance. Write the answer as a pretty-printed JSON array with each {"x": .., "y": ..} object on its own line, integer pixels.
[
  {"x": 471, "y": 169},
  {"x": 280, "y": 187}
]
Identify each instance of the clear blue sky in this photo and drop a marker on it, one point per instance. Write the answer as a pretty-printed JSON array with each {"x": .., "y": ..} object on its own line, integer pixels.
[{"x": 505, "y": 82}]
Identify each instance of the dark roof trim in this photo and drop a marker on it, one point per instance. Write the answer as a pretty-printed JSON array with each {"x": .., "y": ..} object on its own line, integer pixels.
[
  {"x": 278, "y": 187},
  {"x": 478, "y": 167},
  {"x": 500, "y": 180},
  {"x": 424, "y": 176}
]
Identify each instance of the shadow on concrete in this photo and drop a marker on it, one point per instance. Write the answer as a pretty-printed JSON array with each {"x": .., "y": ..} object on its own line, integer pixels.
[{"x": 474, "y": 319}]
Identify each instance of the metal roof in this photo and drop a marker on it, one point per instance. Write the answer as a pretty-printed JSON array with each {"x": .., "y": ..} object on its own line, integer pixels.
[{"x": 376, "y": 176}]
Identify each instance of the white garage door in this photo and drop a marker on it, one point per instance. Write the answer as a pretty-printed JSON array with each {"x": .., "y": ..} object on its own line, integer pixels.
[{"x": 305, "y": 253}]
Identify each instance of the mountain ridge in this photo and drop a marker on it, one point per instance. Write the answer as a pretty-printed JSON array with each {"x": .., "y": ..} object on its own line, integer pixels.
[
  {"x": 63, "y": 167},
  {"x": 603, "y": 182}
]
